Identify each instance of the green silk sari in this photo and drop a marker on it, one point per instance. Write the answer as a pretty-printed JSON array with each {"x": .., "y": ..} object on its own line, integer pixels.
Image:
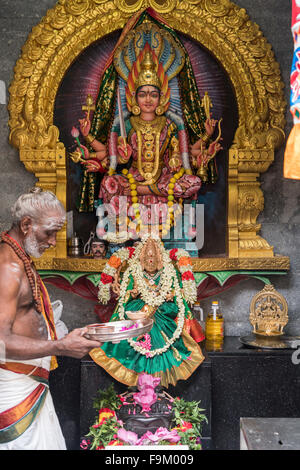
[{"x": 180, "y": 360}]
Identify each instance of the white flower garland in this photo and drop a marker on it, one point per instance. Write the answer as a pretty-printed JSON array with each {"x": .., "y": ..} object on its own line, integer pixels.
[
  {"x": 189, "y": 286},
  {"x": 168, "y": 278},
  {"x": 104, "y": 289}
]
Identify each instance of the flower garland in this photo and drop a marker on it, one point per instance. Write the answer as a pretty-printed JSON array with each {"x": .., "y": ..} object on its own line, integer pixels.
[
  {"x": 184, "y": 263},
  {"x": 134, "y": 200},
  {"x": 169, "y": 282},
  {"x": 181, "y": 256},
  {"x": 110, "y": 270}
]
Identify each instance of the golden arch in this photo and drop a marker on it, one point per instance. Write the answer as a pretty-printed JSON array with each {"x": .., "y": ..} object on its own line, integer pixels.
[{"x": 237, "y": 43}]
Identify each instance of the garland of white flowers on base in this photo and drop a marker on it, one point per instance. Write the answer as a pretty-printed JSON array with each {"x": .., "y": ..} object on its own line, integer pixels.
[
  {"x": 168, "y": 283},
  {"x": 181, "y": 257}
]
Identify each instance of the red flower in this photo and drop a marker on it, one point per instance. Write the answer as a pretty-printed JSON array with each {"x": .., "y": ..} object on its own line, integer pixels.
[
  {"x": 116, "y": 442},
  {"x": 188, "y": 276},
  {"x": 106, "y": 278},
  {"x": 173, "y": 254},
  {"x": 184, "y": 426},
  {"x": 131, "y": 250},
  {"x": 105, "y": 414}
]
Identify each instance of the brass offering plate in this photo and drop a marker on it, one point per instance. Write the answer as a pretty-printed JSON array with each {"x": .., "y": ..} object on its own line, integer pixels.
[
  {"x": 270, "y": 342},
  {"x": 117, "y": 331}
]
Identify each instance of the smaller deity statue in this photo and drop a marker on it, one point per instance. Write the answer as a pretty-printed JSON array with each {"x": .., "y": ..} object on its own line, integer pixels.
[{"x": 152, "y": 287}]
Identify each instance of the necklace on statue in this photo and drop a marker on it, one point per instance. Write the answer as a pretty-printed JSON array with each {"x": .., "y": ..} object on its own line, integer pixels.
[{"x": 152, "y": 278}]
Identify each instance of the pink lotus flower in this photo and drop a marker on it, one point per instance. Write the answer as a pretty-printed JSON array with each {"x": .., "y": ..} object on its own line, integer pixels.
[
  {"x": 74, "y": 132},
  {"x": 147, "y": 380},
  {"x": 166, "y": 435},
  {"x": 84, "y": 444},
  {"x": 145, "y": 398},
  {"x": 129, "y": 437},
  {"x": 148, "y": 438},
  {"x": 161, "y": 434}
]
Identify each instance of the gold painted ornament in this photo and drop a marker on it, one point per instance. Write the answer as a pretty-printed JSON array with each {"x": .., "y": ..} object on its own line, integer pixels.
[
  {"x": 227, "y": 32},
  {"x": 268, "y": 313}
]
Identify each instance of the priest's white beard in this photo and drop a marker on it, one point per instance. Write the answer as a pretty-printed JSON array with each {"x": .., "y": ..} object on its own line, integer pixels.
[{"x": 32, "y": 247}]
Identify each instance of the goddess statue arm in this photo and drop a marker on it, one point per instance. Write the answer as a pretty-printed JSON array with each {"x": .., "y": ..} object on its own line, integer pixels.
[
  {"x": 202, "y": 151},
  {"x": 96, "y": 161},
  {"x": 175, "y": 160},
  {"x": 209, "y": 125}
]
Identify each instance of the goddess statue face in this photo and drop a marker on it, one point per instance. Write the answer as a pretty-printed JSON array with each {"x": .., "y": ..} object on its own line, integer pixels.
[
  {"x": 150, "y": 257},
  {"x": 147, "y": 98}
]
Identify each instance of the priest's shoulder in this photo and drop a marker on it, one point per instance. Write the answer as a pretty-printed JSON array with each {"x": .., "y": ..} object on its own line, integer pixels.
[{"x": 10, "y": 262}]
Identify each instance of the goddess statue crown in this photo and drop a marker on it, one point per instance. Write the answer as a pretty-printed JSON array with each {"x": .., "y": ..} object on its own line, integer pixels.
[
  {"x": 148, "y": 56},
  {"x": 148, "y": 74}
]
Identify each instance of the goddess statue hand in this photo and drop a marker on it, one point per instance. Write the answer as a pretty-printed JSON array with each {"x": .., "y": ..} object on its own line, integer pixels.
[
  {"x": 125, "y": 152},
  {"x": 134, "y": 292},
  {"x": 210, "y": 125},
  {"x": 94, "y": 165},
  {"x": 85, "y": 151},
  {"x": 85, "y": 125},
  {"x": 214, "y": 148},
  {"x": 169, "y": 296}
]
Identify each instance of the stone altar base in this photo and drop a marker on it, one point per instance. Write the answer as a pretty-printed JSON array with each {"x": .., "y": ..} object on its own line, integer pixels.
[
  {"x": 233, "y": 383},
  {"x": 197, "y": 388}
]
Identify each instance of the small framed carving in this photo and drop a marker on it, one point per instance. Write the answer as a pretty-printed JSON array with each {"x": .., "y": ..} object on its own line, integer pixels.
[{"x": 214, "y": 51}]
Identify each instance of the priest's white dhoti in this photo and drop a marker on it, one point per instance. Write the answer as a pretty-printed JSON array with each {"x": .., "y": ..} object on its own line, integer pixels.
[{"x": 28, "y": 420}]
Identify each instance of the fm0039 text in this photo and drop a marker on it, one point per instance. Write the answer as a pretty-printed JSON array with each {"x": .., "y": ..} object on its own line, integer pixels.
[{"x": 172, "y": 459}]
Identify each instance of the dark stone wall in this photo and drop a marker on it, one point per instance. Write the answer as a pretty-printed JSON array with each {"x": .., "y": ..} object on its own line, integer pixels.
[{"x": 281, "y": 215}]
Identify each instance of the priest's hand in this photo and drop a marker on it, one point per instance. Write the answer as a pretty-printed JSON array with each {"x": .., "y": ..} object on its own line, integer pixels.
[{"x": 76, "y": 345}]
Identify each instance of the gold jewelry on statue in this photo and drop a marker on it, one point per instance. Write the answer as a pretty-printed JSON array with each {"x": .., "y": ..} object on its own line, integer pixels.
[
  {"x": 205, "y": 138},
  {"x": 148, "y": 139},
  {"x": 159, "y": 110},
  {"x": 148, "y": 74},
  {"x": 89, "y": 138},
  {"x": 136, "y": 110}
]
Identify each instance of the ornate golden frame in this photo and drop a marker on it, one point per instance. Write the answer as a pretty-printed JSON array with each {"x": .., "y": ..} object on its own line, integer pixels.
[{"x": 236, "y": 42}]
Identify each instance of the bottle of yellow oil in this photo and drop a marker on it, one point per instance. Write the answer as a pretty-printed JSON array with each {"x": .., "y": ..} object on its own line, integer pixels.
[{"x": 214, "y": 328}]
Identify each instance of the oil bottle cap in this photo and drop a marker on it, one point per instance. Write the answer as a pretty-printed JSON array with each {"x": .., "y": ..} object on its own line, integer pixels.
[{"x": 215, "y": 302}]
